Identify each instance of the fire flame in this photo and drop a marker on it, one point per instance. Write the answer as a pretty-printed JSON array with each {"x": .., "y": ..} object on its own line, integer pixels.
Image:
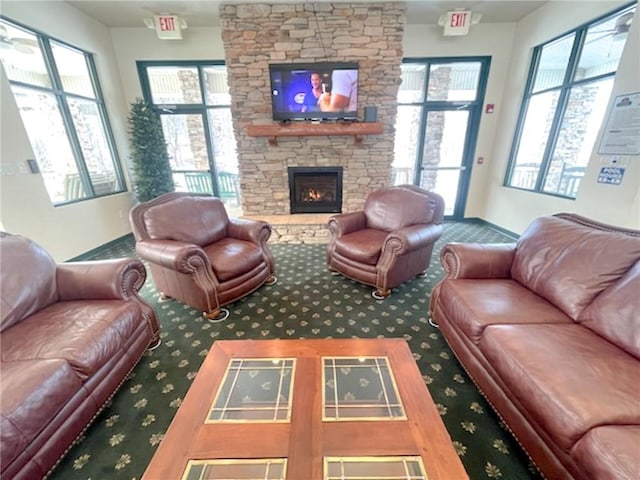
[{"x": 314, "y": 195}]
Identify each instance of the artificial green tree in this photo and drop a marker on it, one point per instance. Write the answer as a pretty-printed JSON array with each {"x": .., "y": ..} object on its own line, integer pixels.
[{"x": 151, "y": 168}]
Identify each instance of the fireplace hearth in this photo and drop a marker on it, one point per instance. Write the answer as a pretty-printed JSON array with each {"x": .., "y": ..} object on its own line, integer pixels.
[{"x": 315, "y": 189}]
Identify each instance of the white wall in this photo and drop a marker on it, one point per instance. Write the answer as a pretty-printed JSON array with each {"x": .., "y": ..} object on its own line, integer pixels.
[
  {"x": 494, "y": 40},
  {"x": 515, "y": 209},
  {"x": 25, "y": 208},
  {"x": 133, "y": 44}
]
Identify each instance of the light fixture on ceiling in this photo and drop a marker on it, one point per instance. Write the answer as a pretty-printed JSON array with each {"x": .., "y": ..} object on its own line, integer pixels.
[
  {"x": 457, "y": 22},
  {"x": 619, "y": 31},
  {"x": 623, "y": 23},
  {"x": 22, "y": 45},
  {"x": 167, "y": 26}
]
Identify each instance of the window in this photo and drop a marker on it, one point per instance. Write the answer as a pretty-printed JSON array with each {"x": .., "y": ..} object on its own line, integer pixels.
[
  {"x": 57, "y": 92},
  {"x": 566, "y": 97},
  {"x": 193, "y": 100}
]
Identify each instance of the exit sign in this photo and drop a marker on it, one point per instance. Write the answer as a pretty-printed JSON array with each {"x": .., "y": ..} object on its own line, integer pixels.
[
  {"x": 457, "y": 22},
  {"x": 168, "y": 27}
]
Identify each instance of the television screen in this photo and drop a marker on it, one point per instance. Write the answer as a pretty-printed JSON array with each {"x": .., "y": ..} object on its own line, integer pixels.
[{"x": 314, "y": 91}]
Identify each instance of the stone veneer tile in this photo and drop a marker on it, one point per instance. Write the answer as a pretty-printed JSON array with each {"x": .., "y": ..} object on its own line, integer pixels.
[
  {"x": 298, "y": 228},
  {"x": 297, "y": 219},
  {"x": 255, "y": 35}
]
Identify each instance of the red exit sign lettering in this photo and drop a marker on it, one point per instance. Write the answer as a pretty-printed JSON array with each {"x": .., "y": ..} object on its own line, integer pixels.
[
  {"x": 459, "y": 19},
  {"x": 169, "y": 27},
  {"x": 457, "y": 22},
  {"x": 167, "y": 24}
]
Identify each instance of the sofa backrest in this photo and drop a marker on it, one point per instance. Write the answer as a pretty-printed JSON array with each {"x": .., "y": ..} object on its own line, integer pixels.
[
  {"x": 27, "y": 279},
  {"x": 398, "y": 207},
  {"x": 615, "y": 313},
  {"x": 199, "y": 220},
  {"x": 569, "y": 260}
]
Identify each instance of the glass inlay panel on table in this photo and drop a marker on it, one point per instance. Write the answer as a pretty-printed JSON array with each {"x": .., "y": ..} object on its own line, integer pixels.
[
  {"x": 269, "y": 469},
  {"x": 255, "y": 390},
  {"x": 374, "y": 468},
  {"x": 361, "y": 388}
]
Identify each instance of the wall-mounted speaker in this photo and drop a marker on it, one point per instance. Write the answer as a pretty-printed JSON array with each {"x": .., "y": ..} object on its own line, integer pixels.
[{"x": 370, "y": 114}]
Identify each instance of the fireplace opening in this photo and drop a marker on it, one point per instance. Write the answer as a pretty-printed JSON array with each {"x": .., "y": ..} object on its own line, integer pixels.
[{"x": 315, "y": 189}]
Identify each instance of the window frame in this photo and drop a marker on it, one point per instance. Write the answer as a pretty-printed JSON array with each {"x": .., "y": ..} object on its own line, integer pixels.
[
  {"x": 564, "y": 90},
  {"x": 201, "y": 108},
  {"x": 61, "y": 97}
]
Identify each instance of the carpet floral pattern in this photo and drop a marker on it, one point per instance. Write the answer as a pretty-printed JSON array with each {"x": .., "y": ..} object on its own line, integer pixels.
[{"x": 306, "y": 302}]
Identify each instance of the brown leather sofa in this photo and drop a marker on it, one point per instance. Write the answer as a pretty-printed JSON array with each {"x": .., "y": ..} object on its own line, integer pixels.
[
  {"x": 70, "y": 335},
  {"x": 197, "y": 254},
  {"x": 390, "y": 240},
  {"x": 549, "y": 330}
]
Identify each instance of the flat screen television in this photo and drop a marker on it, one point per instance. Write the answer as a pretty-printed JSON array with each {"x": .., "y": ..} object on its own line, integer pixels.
[{"x": 314, "y": 91}]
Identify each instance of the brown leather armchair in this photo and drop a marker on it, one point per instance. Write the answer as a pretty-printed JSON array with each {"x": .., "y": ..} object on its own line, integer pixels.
[
  {"x": 388, "y": 242},
  {"x": 200, "y": 256}
]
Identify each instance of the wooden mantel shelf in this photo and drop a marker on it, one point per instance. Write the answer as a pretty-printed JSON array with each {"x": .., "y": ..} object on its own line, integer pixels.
[{"x": 305, "y": 129}]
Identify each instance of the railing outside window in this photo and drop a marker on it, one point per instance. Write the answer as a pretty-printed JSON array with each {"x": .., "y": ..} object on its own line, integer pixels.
[
  {"x": 198, "y": 181},
  {"x": 525, "y": 175}
]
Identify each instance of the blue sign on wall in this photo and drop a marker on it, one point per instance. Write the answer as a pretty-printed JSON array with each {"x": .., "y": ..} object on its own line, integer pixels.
[{"x": 611, "y": 175}]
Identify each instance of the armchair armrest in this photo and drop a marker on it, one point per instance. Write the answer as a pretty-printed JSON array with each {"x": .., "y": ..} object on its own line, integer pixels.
[
  {"x": 412, "y": 237},
  {"x": 255, "y": 231},
  {"x": 477, "y": 260},
  {"x": 344, "y": 223},
  {"x": 179, "y": 256},
  {"x": 120, "y": 278}
]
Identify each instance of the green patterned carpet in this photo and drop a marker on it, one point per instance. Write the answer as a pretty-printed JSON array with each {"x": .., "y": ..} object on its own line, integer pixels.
[{"x": 307, "y": 302}]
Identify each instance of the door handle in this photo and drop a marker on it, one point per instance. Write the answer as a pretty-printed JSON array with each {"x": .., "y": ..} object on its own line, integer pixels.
[
  {"x": 462, "y": 167},
  {"x": 167, "y": 108}
]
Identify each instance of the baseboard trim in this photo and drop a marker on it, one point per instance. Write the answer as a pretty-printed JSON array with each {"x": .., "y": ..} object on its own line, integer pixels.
[
  {"x": 481, "y": 221},
  {"x": 91, "y": 253}
]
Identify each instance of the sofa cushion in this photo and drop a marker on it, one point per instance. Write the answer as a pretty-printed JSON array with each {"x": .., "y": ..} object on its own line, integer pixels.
[
  {"x": 567, "y": 378},
  {"x": 231, "y": 257},
  {"x": 197, "y": 220},
  {"x": 362, "y": 246},
  {"x": 474, "y": 305},
  {"x": 33, "y": 392},
  {"x": 87, "y": 333},
  {"x": 609, "y": 453},
  {"x": 615, "y": 313},
  {"x": 569, "y": 264},
  {"x": 27, "y": 279},
  {"x": 396, "y": 208}
]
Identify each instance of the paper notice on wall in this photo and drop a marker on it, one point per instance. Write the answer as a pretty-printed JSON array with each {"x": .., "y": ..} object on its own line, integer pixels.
[{"x": 622, "y": 133}]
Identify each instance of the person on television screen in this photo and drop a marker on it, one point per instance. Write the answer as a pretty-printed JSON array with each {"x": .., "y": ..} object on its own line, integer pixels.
[
  {"x": 312, "y": 96},
  {"x": 344, "y": 92}
]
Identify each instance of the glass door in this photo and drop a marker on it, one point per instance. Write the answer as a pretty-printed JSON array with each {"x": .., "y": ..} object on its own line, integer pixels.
[
  {"x": 193, "y": 101},
  {"x": 439, "y": 108}
]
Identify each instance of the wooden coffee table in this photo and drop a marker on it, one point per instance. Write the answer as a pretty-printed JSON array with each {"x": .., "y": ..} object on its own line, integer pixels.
[{"x": 307, "y": 410}]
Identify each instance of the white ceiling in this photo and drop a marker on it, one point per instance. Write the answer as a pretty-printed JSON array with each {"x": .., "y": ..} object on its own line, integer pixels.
[{"x": 130, "y": 13}]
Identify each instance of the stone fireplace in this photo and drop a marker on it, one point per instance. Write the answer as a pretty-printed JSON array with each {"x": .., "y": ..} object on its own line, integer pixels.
[
  {"x": 315, "y": 189},
  {"x": 255, "y": 35}
]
